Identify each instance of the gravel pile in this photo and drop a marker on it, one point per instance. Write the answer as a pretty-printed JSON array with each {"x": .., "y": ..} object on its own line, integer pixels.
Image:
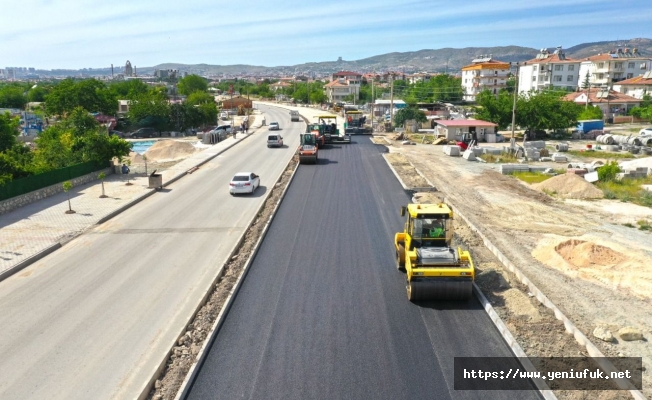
[{"x": 570, "y": 186}]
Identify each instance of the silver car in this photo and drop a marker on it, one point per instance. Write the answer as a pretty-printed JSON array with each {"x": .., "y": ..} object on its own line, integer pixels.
[{"x": 244, "y": 182}]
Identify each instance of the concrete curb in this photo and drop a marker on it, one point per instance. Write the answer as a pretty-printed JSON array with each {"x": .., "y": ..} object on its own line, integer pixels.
[
  {"x": 513, "y": 344},
  {"x": 212, "y": 334},
  {"x": 592, "y": 350},
  {"x": 30, "y": 260}
]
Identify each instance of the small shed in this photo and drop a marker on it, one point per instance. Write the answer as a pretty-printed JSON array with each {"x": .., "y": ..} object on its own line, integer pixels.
[
  {"x": 454, "y": 129},
  {"x": 235, "y": 102}
]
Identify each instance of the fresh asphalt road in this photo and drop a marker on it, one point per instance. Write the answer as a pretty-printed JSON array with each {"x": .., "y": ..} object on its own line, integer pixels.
[
  {"x": 323, "y": 312},
  {"x": 95, "y": 319}
]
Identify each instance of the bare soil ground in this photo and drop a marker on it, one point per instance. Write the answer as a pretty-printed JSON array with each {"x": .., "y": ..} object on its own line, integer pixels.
[
  {"x": 593, "y": 268},
  {"x": 184, "y": 355}
]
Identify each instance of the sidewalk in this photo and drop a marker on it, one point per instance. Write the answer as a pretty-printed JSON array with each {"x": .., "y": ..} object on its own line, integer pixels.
[{"x": 29, "y": 233}]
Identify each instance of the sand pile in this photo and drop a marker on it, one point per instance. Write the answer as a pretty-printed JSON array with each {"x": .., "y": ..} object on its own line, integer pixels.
[
  {"x": 570, "y": 186},
  {"x": 132, "y": 158},
  {"x": 583, "y": 254},
  {"x": 169, "y": 150}
]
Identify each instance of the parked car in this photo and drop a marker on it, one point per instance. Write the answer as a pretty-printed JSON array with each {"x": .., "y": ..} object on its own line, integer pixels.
[
  {"x": 645, "y": 132},
  {"x": 222, "y": 131},
  {"x": 273, "y": 126},
  {"x": 274, "y": 141},
  {"x": 244, "y": 182},
  {"x": 144, "y": 133}
]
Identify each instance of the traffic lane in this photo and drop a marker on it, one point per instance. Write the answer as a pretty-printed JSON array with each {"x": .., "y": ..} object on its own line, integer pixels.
[
  {"x": 119, "y": 293},
  {"x": 323, "y": 312}
]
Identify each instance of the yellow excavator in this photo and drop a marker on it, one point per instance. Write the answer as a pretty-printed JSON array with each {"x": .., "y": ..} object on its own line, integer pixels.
[{"x": 434, "y": 270}]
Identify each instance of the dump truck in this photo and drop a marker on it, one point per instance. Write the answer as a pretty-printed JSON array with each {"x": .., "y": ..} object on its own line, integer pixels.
[
  {"x": 434, "y": 269},
  {"x": 294, "y": 116},
  {"x": 327, "y": 126},
  {"x": 308, "y": 149}
]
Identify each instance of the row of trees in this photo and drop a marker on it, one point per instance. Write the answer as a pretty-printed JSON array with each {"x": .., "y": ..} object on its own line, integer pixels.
[
  {"x": 75, "y": 139},
  {"x": 535, "y": 111}
]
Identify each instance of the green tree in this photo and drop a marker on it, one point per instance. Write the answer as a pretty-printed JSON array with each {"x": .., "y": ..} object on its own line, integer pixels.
[
  {"x": 129, "y": 89},
  {"x": 191, "y": 84},
  {"x": 409, "y": 114},
  {"x": 546, "y": 110},
  {"x": 591, "y": 112},
  {"x": 199, "y": 97},
  {"x": 90, "y": 94},
  {"x": 37, "y": 94},
  {"x": 586, "y": 83},
  {"x": 8, "y": 131},
  {"x": 67, "y": 185},
  {"x": 12, "y": 96},
  {"x": 496, "y": 109},
  {"x": 150, "y": 110}
]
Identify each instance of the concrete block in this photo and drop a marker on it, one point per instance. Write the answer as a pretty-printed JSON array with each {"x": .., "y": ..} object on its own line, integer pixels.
[
  {"x": 546, "y": 159},
  {"x": 469, "y": 155},
  {"x": 492, "y": 150},
  {"x": 539, "y": 169},
  {"x": 591, "y": 176},
  {"x": 452, "y": 150}
]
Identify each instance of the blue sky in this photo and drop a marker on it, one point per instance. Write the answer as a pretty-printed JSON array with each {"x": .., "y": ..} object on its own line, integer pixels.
[{"x": 77, "y": 34}]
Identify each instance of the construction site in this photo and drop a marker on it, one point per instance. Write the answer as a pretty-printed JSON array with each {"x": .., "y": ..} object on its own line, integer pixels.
[{"x": 563, "y": 257}]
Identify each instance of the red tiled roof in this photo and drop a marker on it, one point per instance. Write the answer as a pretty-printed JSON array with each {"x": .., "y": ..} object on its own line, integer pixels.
[
  {"x": 608, "y": 57},
  {"x": 486, "y": 65},
  {"x": 614, "y": 97},
  {"x": 347, "y": 73},
  {"x": 465, "y": 122},
  {"x": 637, "y": 80},
  {"x": 335, "y": 83}
]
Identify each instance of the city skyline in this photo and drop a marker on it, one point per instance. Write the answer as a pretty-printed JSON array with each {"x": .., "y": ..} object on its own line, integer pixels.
[{"x": 152, "y": 33}]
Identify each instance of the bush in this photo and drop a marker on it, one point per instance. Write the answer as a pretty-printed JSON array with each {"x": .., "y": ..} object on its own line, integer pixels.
[{"x": 608, "y": 172}]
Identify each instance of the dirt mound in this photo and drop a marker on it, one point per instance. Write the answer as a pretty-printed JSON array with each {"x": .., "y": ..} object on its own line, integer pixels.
[
  {"x": 570, "y": 186},
  {"x": 583, "y": 254},
  {"x": 169, "y": 150}
]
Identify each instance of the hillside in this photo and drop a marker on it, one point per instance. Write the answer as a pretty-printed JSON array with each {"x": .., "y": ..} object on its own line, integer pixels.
[{"x": 430, "y": 60}]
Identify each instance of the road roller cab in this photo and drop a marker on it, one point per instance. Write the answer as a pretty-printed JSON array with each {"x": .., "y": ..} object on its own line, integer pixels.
[
  {"x": 434, "y": 270},
  {"x": 308, "y": 149}
]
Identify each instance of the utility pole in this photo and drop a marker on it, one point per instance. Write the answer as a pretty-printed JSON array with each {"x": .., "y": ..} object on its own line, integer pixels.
[
  {"x": 514, "y": 104},
  {"x": 391, "y": 99}
]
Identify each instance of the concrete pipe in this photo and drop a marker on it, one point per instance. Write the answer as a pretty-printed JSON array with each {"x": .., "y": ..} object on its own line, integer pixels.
[
  {"x": 608, "y": 139},
  {"x": 561, "y": 147},
  {"x": 646, "y": 141}
]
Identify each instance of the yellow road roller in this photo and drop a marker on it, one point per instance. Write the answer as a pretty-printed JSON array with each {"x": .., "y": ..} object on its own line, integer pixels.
[{"x": 434, "y": 270}]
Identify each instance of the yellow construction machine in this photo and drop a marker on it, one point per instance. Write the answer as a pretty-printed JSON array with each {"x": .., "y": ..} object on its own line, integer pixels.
[{"x": 434, "y": 270}]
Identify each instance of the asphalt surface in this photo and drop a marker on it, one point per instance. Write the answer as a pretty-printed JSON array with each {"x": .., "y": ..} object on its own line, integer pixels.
[
  {"x": 323, "y": 312},
  {"x": 95, "y": 319}
]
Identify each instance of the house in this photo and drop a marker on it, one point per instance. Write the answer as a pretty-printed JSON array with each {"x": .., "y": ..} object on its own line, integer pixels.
[
  {"x": 343, "y": 85},
  {"x": 454, "y": 129},
  {"x": 484, "y": 73},
  {"x": 419, "y": 77},
  {"x": 636, "y": 87},
  {"x": 611, "y": 102},
  {"x": 548, "y": 70},
  {"x": 617, "y": 65},
  {"x": 381, "y": 107},
  {"x": 280, "y": 85}
]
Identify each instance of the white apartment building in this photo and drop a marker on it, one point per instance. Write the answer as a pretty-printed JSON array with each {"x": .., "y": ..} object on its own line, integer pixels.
[
  {"x": 618, "y": 65},
  {"x": 548, "y": 70},
  {"x": 637, "y": 86},
  {"x": 484, "y": 73}
]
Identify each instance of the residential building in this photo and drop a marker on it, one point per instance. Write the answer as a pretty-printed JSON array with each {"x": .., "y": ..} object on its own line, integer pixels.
[
  {"x": 636, "y": 87},
  {"x": 343, "y": 85},
  {"x": 549, "y": 70},
  {"x": 484, "y": 73},
  {"x": 419, "y": 77},
  {"x": 381, "y": 107},
  {"x": 617, "y": 65},
  {"x": 280, "y": 86},
  {"x": 611, "y": 102},
  {"x": 123, "y": 107}
]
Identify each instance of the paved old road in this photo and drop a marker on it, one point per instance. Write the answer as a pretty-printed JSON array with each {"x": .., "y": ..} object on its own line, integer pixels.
[
  {"x": 94, "y": 319},
  {"x": 323, "y": 313}
]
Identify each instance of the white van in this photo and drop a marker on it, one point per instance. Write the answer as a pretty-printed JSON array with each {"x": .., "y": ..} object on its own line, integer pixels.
[{"x": 275, "y": 140}]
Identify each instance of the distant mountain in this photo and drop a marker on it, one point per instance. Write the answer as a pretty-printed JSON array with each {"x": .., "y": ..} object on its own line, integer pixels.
[{"x": 439, "y": 60}]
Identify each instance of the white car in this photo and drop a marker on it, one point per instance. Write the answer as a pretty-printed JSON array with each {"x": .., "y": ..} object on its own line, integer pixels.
[
  {"x": 645, "y": 132},
  {"x": 244, "y": 182},
  {"x": 273, "y": 126}
]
